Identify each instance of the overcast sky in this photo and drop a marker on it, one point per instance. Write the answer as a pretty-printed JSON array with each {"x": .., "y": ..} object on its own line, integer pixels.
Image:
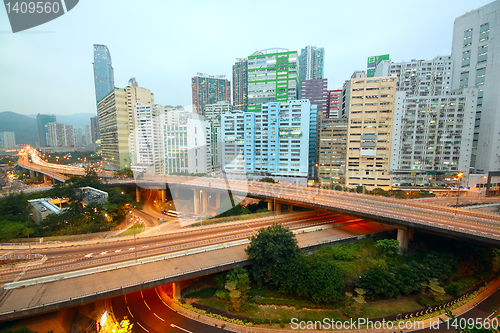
[{"x": 48, "y": 69}]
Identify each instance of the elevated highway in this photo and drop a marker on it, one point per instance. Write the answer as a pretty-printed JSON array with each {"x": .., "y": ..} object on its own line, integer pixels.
[
  {"x": 453, "y": 222},
  {"x": 113, "y": 270}
]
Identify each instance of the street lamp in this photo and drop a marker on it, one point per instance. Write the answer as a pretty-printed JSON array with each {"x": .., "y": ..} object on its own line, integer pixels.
[
  {"x": 28, "y": 232},
  {"x": 459, "y": 175},
  {"x": 135, "y": 242}
]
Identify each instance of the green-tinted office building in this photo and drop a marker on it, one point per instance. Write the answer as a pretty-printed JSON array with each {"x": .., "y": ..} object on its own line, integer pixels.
[{"x": 272, "y": 77}]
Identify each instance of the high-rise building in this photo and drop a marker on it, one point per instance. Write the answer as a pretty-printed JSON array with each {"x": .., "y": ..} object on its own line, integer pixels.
[
  {"x": 311, "y": 63},
  {"x": 272, "y": 77},
  {"x": 114, "y": 131},
  {"x": 432, "y": 136},
  {"x": 268, "y": 143},
  {"x": 345, "y": 97},
  {"x": 104, "y": 80},
  {"x": 423, "y": 77},
  {"x": 7, "y": 140},
  {"x": 332, "y": 139},
  {"x": 88, "y": 134},
  {"x": 79, "y": 137},
  {"x": 70, "y": 136},
  {"x": 209, "y": 89},
  {"x": 240, "y": 84},
  {"x": 369, "y": 136},
  {"x": 213, "y": 113},
  {"x": 94, "y": 129},
  {"x": 378, "y": 65},
  {"x": 148, "y": 137},
  {"x": 135, "y": 94},
  {"x": 42, "y": 120},
  {"x": 60, "y": 135},
  {"x": 316, "y": 91},
  {"x": 476, "y": 64},
  {"x": 333, "y": 103},
  {"x": 187, "y": 140}
]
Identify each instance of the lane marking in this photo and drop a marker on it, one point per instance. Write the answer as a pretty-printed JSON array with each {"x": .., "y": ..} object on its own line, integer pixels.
[
  {"x": 130, "y": 312},
  {"x": 185, "y": 330},
  {"x": 147, "y": 305},
  {"x": 158, "y": 317},
  {"x": 163, "y": 301},
  {"x": 138, "y": 323},
  {"x": 125, "y": 298},
  {"x": 142, "y": 294}
]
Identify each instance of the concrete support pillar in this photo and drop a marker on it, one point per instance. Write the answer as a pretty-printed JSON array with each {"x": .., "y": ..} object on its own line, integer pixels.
[
  {"x": 176, "y": 286},
  {"x": 278, "y": 208},
  {"x": 176, "y": 193},
  {"x": 196, "y": 198},
  {"x": 204, "y": 196},
  {"x": 403, "y": 238},
  {"x": 137, "y": 194},
  {"x": 270, "y": 206},
  {"x": 45, "y": 178},
  {"x": 217, "y": 200},
  {"x": 290, "y": 208},
  {"x": 32, "y": 174},
  {"x": 163, "y": 195}
]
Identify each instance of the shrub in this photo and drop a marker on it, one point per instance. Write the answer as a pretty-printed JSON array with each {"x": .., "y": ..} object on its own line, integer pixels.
[
  {"x": 222, "y": 294},
  {"x": 453, "y": 289}
]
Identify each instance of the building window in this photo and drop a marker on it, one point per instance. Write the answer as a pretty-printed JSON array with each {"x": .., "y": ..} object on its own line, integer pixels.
[
  {"x": 484, "y": 32},
  {"x": 464, "y": 79},
  {"x": 467, "y": 37},
  {"x": 482, "y": 53},
  {"x": 466, "y": 58}
]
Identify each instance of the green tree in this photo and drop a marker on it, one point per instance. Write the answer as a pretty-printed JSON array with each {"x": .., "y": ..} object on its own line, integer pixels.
[
  {"x": 238, "y": 285},
  {"x": 389, "y": 246},
  {"x": 324, "y": 281},
  {"x": 436, "y": 290},
  {"x": 359, "y": 300},
  {"x": 338, "y": 187},
  {"x": 275, "y": 253}
]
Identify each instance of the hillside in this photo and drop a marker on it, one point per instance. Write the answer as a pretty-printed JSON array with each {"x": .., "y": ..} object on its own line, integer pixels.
[{"x": 24, "y": 127}]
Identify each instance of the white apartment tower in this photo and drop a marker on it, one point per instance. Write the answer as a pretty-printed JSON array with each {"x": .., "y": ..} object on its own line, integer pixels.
[
  {"x": 187, "y": 142},
  {"x": 432, "y": 136},
  {"x": 148, "y": 138},
  {"x": 213, "y": 114},
  {"x": 475, "y": 54},
  {"x": 423, "y": 77}
]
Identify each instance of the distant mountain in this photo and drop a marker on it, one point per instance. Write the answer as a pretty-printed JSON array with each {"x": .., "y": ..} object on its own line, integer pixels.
[
  {"x": 77, "y": 119},
  {"x": 23, "y": 126}
]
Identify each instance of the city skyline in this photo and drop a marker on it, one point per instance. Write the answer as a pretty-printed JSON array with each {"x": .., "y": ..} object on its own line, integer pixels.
[{"x": 54, "y": 61}]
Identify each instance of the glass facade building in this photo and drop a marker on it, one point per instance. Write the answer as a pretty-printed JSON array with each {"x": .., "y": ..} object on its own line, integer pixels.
[
  {"x": 311, "y": 63},
  {"x": 103, "y": 72},
  {"x": 43, "y": 130}
]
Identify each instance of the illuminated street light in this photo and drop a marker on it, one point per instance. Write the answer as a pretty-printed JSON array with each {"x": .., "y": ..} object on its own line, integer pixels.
[{"x": 459, "y": 175}]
